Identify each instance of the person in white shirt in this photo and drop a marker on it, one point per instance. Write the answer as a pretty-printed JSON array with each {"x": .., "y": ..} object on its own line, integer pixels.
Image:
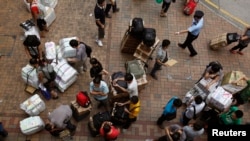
[
  {"x": 132, "y": 89},
  {"x": 193, "y": 110}
]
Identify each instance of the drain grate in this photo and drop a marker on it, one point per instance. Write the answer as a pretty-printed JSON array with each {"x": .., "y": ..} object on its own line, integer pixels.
[{"x": 6, "y": 44}]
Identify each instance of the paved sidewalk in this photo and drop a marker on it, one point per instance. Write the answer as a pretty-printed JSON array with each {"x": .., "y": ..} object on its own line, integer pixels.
[{"x": 75, "y": 18}]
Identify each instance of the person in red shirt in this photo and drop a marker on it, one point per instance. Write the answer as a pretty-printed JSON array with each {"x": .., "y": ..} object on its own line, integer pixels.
[
  {"x": 37, "y": 11},
  {"x": 108, "y": 131}
]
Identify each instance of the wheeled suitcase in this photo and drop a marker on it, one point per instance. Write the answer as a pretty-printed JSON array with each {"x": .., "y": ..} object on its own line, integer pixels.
[
  {"x": 80, "y": 112},
  {"x": 190, "y": 7},
  {"x": 31, "y": 125},
  {"x": 33, "y": 105}
]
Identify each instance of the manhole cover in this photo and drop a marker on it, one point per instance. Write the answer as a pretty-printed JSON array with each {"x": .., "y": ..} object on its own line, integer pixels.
[{"x": 6, "y": 44}]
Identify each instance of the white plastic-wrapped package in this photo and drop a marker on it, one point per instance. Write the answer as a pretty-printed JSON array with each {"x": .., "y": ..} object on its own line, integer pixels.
[
  {"x": 49, "y": 3},
  {"x": 52, "y": 51},
  {"x": 33, "y": 105},
  {"x": 29, "y": 75},
  {"x": 66, "y": 49},
  {"x": 31, "y": 125},
  {"x": 50, "y": 15}
]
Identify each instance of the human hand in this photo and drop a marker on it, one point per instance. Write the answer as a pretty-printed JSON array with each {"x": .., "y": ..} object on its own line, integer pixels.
[
  {"x": 120, "y": 104},
  {"x": 177, "y": 33}
]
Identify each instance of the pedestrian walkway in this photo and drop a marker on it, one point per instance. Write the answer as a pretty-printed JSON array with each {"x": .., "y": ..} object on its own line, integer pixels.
[{"x": 75, "y": 18}]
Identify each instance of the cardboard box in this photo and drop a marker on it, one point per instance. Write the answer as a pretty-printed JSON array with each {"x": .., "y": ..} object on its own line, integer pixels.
[
  {"x": 220, "y": 99},
  {"x": 231, "y": 77}
]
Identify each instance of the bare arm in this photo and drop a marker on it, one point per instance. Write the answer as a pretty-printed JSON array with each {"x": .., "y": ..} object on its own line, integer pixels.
[{"x": 181, "y": 32}]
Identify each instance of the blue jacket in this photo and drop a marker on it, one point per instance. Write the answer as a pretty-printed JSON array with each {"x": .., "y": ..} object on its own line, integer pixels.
[{"x": 169, "y": 108}]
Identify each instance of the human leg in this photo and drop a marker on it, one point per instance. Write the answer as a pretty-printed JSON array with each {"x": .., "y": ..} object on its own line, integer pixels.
[
  {"x": 155, "y": 68},
  {"x": 188, "y": 43},
  {"x": 233, "y": 50},
  {"x": 108, "y": 7},
  {"x": 160, "y": 120},
  {"x": 241, "y": 48},
  {"x": 84, "y": 64},
  {"x": 129, "y": 122},
  {"x": 185, "y": 120},
  {"x": 115, "y": 8},
  {"x": 101, "y": 34}
]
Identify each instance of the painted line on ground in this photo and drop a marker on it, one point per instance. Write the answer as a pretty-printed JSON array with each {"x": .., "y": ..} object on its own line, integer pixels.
[{"x": 226, "y": 13}]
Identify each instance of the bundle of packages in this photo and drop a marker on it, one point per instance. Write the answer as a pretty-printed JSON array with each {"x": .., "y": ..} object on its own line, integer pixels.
[
  {"x": 66, "y": 74},
  {"x": 49, "y": 3},
  {"x": 33, "y": 105},
  {"x": 52, "y": 51},
  {"x": 50, "y": 15},
  {"x": 229, "y": 78},
  {"x": 66, "y": 49},
  {"x": 31, "y": 125},
  {"x": 29, "y": 76},
  {"x": 220, "y": 99}
]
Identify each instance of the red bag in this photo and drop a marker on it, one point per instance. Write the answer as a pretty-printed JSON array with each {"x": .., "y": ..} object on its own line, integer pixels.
[
  {"x": 83, "y": 99},
  {"x": 189, "y": 8}
]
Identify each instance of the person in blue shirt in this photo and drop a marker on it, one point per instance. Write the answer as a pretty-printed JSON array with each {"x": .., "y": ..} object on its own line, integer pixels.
[
  {"x": 170, "y": 110},
  {"x": 193, "y": 32},
  {"x": 99, "y": 89}
]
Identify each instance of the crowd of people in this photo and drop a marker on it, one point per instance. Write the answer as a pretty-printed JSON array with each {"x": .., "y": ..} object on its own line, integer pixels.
[{"x": 59, "y": 119}]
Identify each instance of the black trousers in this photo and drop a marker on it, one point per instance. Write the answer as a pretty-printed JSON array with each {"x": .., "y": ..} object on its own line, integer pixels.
[
  {"x": 188, "y": 43},
  {"x": 155, "y": 68},
  {"x": 185, "y": 120},
  {"x": 108, "y": 7},
  {"x": 129, "y": 122},
  {"x": 161, "y": 119},
  {"x": 165, "y": 6},
  {"x": 239, "y": 46}
]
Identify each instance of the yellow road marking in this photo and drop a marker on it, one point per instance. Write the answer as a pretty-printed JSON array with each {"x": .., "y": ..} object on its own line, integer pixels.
[{"x": 226, "y": 13}]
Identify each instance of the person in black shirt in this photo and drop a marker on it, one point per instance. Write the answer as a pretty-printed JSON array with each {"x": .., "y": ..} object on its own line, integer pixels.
[
  {"x": 96, "y": 69},
  {"x": 100, "y": 20}
]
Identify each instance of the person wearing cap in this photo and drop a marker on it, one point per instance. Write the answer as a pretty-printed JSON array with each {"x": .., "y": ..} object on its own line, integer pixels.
[{"x": 193, "y": 32}]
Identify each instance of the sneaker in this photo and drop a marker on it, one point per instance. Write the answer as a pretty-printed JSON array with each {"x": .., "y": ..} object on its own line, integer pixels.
[
  {"x": 180, "y": 45},
  {"x": 99, "y": 42},
  {"x": 163, "y": 15},
  {"x": 241, "y": 53},
  {"x": 192, "y": 55},
  {"x": 117, "y": 10}
]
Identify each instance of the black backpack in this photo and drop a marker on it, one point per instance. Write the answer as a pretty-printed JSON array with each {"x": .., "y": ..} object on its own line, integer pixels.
[
  {"x": 88, "y": 49},
  {"x": 232, "y": 37},
  {"x": 137, "y": 28},
  {"x": 99, "y": 118},
  {"x": 149, "y": 35}
]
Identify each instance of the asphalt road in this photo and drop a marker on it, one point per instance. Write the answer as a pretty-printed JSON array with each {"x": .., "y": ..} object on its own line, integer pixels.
[{"x": 236, "y": 11}]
